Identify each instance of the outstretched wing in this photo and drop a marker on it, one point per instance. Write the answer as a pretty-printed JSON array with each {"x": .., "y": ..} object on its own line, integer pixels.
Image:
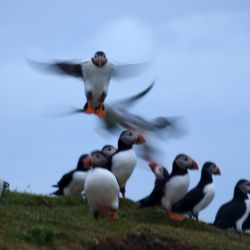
[
  {"x": 129, "y": 70},
  {"x": 59, "y": 67}
]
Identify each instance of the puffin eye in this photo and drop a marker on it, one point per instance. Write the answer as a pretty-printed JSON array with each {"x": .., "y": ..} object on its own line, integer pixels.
[
  {"x": 109, "y": 149},
  {"x": 130, "y": 134}
]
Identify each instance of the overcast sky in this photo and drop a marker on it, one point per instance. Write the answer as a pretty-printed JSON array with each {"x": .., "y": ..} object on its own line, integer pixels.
[{"x": 201, "y": 53}]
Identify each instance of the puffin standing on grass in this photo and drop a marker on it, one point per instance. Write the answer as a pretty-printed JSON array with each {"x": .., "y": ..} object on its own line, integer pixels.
[
  {"x": 202, "y": 195},
  {"x": 161, "y": 176},
  {"x": 72, "y": 183},
  {"x": 177, "y": 184},
  {"x": 234, "y": 213},
  {"x": 169, "y": 189},
  {"x": 123, "y": 162},
  {"x": 96, "y": 74},
  {"x": 101, "y": 188}
]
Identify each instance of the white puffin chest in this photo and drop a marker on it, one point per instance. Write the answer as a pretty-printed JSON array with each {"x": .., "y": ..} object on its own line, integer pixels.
[
  {"x": 102, "y": 190},
  {"x": 209, "y": 192},
  {"x": 242, "y": 219},
  {"x": 175, "y": 189},
  {"x": 76, "y": 185},
  {"x": 96, "y": 78},
  {"x": 123, "y": 164}
]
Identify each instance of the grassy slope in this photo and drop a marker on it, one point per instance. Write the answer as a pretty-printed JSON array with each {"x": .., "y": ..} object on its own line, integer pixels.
[{"x": 40, "y": 222}]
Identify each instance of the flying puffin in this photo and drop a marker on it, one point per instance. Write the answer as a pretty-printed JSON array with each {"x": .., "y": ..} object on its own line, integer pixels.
[
  {"x": 72, "y": 183},
  {"x": 234, "y": 213},
  {"x": 3, "y": 185},
  {"x": 96, "y": 74},
  {"x": 101, "y": 188},
  {"x": 202, "y": 195},
  {"x": 161, "y": 176},
  {"x": 123, "y": 162}
]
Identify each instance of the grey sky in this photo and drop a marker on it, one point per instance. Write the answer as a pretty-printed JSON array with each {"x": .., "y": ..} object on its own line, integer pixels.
[{"x": 202, "y": 56}]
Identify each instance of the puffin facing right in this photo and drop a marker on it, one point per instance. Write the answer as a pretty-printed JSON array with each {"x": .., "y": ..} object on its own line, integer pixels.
[
  {"x": 202, "y": 195},
  {"x": 234, "y": 213},
  {"x": 169, "y": 189}
]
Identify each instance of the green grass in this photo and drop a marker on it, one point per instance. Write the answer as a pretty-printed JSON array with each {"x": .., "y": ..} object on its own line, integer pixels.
[{"x": 40, "y": 222}]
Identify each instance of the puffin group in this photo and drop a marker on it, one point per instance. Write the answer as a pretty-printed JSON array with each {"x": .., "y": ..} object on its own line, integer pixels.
[{"x": 101, "y": 175}]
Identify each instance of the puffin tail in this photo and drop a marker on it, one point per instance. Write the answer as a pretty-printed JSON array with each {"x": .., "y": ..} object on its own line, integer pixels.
[
  {"x": 55, "y": 185},
  {"x": 145, "y": 202},
  {"x": 6, "y": 185},
  {"x": 58, "y": 192}
]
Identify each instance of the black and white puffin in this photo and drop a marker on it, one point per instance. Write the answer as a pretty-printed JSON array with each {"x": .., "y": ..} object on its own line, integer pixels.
[
  {"x": 123, "y": 162},
  {"x": 72, "y": 183},
  {"x": 109, "y": 150},
  {"x": 200, "y": 196},
  {"x": 3, "y": 185},
  {"x": 101, "y": 188},
  {"x": 177, "y": 184},
  {"x": 161, "y": 176},
  {"x": 96, "y": 74},
  {"x": 234, "y": 213}
]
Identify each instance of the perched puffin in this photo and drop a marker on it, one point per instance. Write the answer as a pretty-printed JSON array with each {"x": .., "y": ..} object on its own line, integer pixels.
[
  {"x": 108, "y": 150},
  {"x": 123, "y": 162},
  {"x": 96, "y": 74},
  {"x": 234, "y": 213},
  {"x": 202, "y": 195},
  {"x": 3, "y": 185},
  {"x": 72, "y": 183},
  {"x": 161, "y": 176},
  {"x": 101, "y": 188}
]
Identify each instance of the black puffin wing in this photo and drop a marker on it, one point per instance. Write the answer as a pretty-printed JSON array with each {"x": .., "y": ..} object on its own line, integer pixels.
[
  {"x": 154, "y": 199},
  {"x": 229, "y": 213},
  {"x": 60, "y": 67},
  {"x": 127, "y": 102},
  {"x": 189, "y": 200},
  {"x": 129, "y": 70},
  {"x": 65, "y": 180}
]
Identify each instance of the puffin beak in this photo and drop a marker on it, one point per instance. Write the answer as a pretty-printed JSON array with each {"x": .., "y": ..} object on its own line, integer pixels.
[
  {"x": 88, "y": 162},
  {"x": 217, "y": 171},
  {"x": 140, "y": 139},
  {"x": 153, "y": 165},
  {"x": 194, "y": 166}
]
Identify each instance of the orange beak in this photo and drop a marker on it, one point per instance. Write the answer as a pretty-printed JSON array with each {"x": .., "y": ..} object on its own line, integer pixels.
[
  {"x": 217, "y": 172},
  {"x": 194, "y": 166},
  {"x": 87, "y": 162},
  {"x": 140, "y": 139},
  {"x": 153, "y": 165}
]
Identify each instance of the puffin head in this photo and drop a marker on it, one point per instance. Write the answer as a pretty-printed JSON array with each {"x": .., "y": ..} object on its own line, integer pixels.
[
  {"x": 108, "y": 150},
  {"x": 130, "y": 138},
  {"x": 159, "y": 171},
  {"x": 84, "y": 162},
  {"x": 184, "y": 161},
  {"x": 99, "y": 59},
  {"x": 243, "y": 185},
  {"x": 98, "y": 159},
  {"x": 211, "y": 168}
]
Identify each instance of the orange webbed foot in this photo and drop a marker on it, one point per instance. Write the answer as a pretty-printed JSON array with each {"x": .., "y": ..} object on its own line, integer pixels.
[
  {"x": 113, "y": 215},
  {"x": 175, "y": 217},
  {"x": 89, "y": 110},
  {"x": 101, "y": 113}
]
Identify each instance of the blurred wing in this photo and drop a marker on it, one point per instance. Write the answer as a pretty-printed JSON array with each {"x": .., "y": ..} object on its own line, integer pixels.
[
  {"x": 62, "y": 68},
  {"x": 131, "y": 100},
  {"x": 129, "y": 70}
]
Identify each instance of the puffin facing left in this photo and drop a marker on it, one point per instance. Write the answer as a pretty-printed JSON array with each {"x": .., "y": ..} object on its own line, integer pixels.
[
  {"x": 96, "y": 74},
  {"x": 101, "y": 188},
  {"x": 72, "y": 183}
]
